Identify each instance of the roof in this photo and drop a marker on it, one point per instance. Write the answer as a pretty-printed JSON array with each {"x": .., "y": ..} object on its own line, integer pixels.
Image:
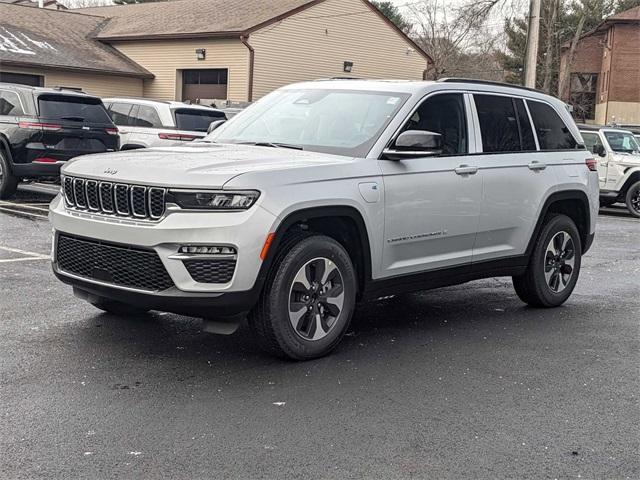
[
  {"x": 628, "y": 16},
  {"x": 24, "y": 42},
  {"x": 146, "y": 101},
  {"x": 203, "y": 18},
  {"x": 178, "y": 18},
  {"x": 633, "y": 15}
]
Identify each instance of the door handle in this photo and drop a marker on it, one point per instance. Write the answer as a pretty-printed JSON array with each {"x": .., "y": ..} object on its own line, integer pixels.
[
  {"x": 466, "y": 170},
  {"x": 537, "y": 166}
]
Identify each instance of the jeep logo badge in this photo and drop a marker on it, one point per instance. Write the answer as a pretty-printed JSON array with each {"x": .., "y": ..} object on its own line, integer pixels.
[{"x": 110, "y": 171}]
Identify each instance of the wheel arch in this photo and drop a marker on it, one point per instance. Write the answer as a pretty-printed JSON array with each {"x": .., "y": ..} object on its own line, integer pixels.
[
  {"x": 574, "y": 204},
  {"x": 633, "y": 177},
  {"x": 6, "y": 149},
  {"x": 343, "y": 223}
]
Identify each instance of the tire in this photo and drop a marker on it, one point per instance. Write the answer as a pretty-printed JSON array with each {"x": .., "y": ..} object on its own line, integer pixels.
[
  {"x": 8, "y": 182},
  {"x": 554, "y": 267},
  {"x": 295, "y": 295},
  {"x": 117, "y": 308},
  {"x": 632, "y": 199}
]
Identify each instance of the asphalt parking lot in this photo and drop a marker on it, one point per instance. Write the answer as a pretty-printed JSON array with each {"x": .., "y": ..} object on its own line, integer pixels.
[{"x": 462, "y": 382}]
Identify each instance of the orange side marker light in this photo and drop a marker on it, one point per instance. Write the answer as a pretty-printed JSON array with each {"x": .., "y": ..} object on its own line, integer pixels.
[{"x": 267, "y": 245}]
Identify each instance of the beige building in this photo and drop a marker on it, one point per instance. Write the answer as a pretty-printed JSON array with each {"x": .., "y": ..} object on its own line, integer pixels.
[{"x": 238, "y": 50}]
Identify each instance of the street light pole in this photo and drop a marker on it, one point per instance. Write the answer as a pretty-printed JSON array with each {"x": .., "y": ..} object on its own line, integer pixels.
[{"x": 533, "y": 36}]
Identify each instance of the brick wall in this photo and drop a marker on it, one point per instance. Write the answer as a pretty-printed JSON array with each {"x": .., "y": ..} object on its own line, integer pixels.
[{"x": 624, "y": 84}]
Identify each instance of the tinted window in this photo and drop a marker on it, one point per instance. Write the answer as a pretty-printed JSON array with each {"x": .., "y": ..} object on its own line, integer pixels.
[
  {"x": 443, "y": 114},
  {"x": 498, "y": 123},
  {"x": 526, "y": 130},
  {"x": 121, "y": 114},
  {"x": 10, "y": 103},
  {"x": 591, "y": 141},
  {"x": 147, "y": 117},
  {"x": 78, "y": 109},
  {"x": 553, "y": 134},
  {"x": 196, "y": 120}
]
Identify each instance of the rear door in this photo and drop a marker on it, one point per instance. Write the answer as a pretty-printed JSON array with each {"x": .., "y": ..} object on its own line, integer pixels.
[
  {"x": 517, "y": 177},
  {"x": 146, "y": 126},
  {"x": 75, "y": 125},
  {"x": 121, "y": 115}
]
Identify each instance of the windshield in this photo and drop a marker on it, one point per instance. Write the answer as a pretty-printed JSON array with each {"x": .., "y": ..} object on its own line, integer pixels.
[
  {"x": 194, "y": 120},
  {"x": 622, "y": 142},
  {"x": 340, "y": 122},
  {"x": 75, "y": 109}
]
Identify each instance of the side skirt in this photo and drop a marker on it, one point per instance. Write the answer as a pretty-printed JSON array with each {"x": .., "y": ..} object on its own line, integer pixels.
[{"x": 444, "y": 277}]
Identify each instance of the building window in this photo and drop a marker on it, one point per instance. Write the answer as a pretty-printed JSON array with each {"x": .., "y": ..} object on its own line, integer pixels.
[
  {"x": 22, "y": 79},
  {"x": 583, "y": 95}
]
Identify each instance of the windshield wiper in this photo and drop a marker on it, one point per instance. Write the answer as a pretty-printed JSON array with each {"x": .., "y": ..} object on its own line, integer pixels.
[{"x": 272, "y": 145}]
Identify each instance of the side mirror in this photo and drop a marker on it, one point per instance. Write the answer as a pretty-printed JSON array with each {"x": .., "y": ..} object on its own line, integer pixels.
[
  {"x": 599, "y": 150},
  {"x": 414, "y": 144},
  {"x": 214, "y": 125}
]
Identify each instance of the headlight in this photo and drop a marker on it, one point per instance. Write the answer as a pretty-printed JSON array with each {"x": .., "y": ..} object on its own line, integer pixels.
[{"x": 213, "y": 200}]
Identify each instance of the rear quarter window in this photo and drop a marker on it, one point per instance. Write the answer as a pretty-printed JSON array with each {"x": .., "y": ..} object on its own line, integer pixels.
[
  {"x": 195, "y": 120},
  {"x": 552, "y": 132},
  {"x": 71, "y": 108},
  {"x": 10, "y": 103}
]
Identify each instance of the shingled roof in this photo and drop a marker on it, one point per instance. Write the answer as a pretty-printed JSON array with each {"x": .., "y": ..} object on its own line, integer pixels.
[
  {"x": 59, "y": 39},
  {"x": 189, "y": 18}
]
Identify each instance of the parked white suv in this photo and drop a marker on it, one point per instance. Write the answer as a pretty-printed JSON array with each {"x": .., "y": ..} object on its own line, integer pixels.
[
  {"x": 618, "y": 155},
  {"x": 148, "y": 123},
  {"x": 323, "y": 194}
]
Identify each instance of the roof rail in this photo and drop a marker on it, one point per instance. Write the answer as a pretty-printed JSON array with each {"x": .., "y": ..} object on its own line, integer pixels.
[{"x": 487, "y": 82}]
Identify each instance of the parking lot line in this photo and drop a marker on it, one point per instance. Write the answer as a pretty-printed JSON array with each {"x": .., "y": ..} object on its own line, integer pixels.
[
  {"x": 21, "y": 212},
  {"x": 32, "y": 255},
  {"x": 24, "y": 259}
]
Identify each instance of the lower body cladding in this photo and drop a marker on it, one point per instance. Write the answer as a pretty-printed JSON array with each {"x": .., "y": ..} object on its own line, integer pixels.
[{"x": 202, "y": 264}]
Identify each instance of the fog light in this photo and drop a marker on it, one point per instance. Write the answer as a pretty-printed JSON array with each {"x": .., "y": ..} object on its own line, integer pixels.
[{"x": 207, "y": 250}]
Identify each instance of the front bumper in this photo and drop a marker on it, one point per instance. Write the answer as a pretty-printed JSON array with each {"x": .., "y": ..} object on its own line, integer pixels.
[{"x": 246, "y": 231}]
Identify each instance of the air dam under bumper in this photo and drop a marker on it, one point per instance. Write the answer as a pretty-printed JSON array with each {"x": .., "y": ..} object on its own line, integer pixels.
[{"x": 207, "y": 305}]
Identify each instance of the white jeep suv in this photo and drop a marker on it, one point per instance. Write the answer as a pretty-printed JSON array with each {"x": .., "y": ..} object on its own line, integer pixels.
[
  {"x": 327, "y": 193},
  {"x": 149, "y": 123},
  {"x": 618, "y": 155}
]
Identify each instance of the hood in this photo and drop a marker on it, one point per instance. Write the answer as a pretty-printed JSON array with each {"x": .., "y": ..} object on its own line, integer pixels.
[
  {"x": 631, "y": 159},
  {"x": 194, "y": 165}
]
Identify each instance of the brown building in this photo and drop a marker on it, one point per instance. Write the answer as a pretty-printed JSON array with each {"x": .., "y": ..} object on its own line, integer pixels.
[
  {"x": 238, "y": 50},
  {"x": 605, "y": 72}
]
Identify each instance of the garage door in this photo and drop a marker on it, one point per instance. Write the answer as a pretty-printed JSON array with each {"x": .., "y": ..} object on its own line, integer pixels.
[{"x": 209, "y": 84}]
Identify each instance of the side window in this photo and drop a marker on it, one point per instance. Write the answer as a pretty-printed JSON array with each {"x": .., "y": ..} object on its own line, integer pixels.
[
  {"x": 498, "y": 123},
  {"x": 526, "y": 130},
  {"x": 591, "y": 141},
  {"x": 10, "y": 103},
  {"x": 553, "y": 134},
  {"x": 443, "y": 114},
  {"x": 147, "y": 117},
  {"x": 120, "y": 113}
]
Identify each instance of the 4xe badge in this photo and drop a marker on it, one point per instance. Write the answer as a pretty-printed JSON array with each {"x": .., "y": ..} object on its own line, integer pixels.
[{"x": 110, "y": 171}]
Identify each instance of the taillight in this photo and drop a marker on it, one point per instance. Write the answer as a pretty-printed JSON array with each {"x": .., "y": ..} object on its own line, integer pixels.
[
  {"x": 178, "y": 137},
  {"x": 47, "y": 127},
  {"x": 111, "y": 131},
  {"x": 592, "y": 164}
]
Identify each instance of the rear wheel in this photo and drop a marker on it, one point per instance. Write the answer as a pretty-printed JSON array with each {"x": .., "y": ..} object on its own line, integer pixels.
[
  {"x": 117, "y": 308},
  {"x": 308, "y": 299},
  {"x": 633, "y": 199},
  {"x": 554, "y": 267},
  {"x": 8, "y": 182}
]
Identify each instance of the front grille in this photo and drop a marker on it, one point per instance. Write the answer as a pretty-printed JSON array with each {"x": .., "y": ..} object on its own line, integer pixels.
[
  {"x": 211, "y": 271},
  {"x": 114, "y": 264},
  {"x": 118, "y": 199}
]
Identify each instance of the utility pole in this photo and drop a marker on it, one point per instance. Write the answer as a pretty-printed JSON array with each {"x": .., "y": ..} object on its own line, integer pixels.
[{"x": 533, "y": 36}]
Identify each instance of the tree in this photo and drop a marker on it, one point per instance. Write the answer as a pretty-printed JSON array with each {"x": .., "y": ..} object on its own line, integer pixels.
[{"x": 393, "y": 13}]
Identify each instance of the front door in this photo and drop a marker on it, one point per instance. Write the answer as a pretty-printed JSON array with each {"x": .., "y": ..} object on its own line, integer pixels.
[
  {"x": 432, "y": 203},
  {"x": 594, "y": 144}
]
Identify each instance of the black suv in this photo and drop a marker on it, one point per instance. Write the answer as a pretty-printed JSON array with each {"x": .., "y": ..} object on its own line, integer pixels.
[{"x": 42, "y": 128}]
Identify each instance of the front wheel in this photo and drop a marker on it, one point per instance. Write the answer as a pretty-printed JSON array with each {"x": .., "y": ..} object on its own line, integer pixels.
[
  {"x": 308, "y": 300},
  {"x": 633, "y": 199},
  {"x": 554, "y": 267}
]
